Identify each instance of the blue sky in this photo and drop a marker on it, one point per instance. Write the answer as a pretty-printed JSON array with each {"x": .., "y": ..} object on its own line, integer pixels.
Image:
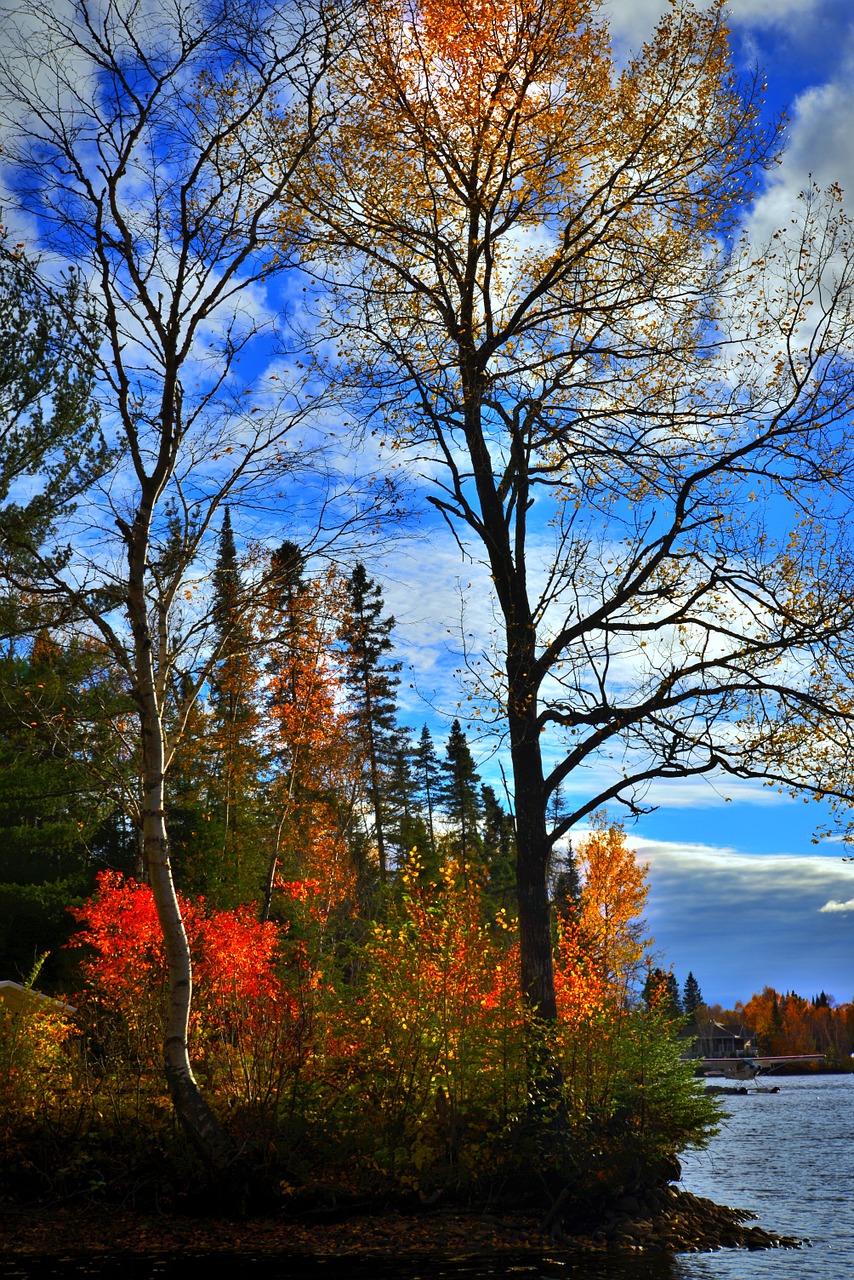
[{"x": 739, "y": 893}]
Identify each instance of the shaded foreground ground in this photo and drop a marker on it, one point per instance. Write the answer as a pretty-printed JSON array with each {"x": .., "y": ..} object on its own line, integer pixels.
[{"x": 680, "y": 1222}]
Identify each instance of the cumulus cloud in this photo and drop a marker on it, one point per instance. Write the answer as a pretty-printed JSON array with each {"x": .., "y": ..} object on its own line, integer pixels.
[
  {"x": 632, "y": 21},
  {"x": 833, "y": 905}
]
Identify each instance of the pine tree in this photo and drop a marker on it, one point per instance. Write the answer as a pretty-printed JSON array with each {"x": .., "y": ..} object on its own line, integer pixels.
[
  {"x": 365, "y": 637},
  {"x": 459, "y": 795},
  {"x": 692, "y": 996},
  {"x": 499, "y": 851},
  {"x": 238, "y": 874}
]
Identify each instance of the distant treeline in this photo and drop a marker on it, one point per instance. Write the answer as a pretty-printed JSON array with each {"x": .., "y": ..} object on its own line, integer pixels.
[{"x": 789, "y": 1023}]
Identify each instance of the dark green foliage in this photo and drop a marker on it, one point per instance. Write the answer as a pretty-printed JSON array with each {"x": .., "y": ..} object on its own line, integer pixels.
[
  {"x": 371, "y": 680},
  {"x": 230, "y": 823},
  {"x": 428, "y": 774},
  {"x": 459, "y": 795},
  {"x": 692, "y": 996},
  {"x": 63, "y": 778},
  {"x": 499, "y": 852},
  {"x": 567, "y": 886},
  {"x": 48, "y": 414},
  {"x": 63, "y": 770},
  {"x": 232, "y": 635},
  {"x": 406, "y": 829},
  {"x": 34, "y": 921}
]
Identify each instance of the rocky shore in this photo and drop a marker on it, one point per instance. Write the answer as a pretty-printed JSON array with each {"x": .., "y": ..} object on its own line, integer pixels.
[
  {"x": 674, "y": 1221},
  {"x": 668, "y": 1221}
]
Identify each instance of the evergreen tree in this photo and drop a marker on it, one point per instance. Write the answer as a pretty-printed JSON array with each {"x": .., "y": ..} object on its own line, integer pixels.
[
  {"x": 662, "y": 982},
  {"x": 365, "y": 637},
  {"x": 692, "y": 997},
  {"x": 459, "y": 795},
  {"x": 238, "y": 871},
  {"x": 405, "y": 825},
  {"x": 49, "y": 421},
  {"x": 567, "y": 886},
  {"x": 64, "y": 773},
  {"x": 673, "y": 996},
  {"x": 429, "y": 776},
  {"x": 499, "y": 851},
  {"x": 287, "y": 588}
]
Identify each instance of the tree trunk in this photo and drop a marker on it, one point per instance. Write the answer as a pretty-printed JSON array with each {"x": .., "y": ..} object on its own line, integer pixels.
[{"x": 204, "y": 1130}]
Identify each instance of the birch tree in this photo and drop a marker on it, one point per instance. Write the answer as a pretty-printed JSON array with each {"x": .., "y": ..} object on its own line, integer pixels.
[{"x": 130, "y": 146}]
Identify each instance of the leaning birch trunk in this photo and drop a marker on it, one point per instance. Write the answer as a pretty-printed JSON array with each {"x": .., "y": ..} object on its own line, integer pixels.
[{"x": 201, "y": 1125}]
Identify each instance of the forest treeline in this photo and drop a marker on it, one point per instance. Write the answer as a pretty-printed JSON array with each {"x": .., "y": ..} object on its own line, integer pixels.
[
  {"x": 786, "y": 1023},
  {"x": 347, "y": 890},
  {"x": 293, "y": 765}
]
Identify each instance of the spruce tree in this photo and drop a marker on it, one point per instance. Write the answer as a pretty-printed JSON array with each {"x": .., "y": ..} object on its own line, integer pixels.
[
  {"x": 459, "y": 795},
  {"x": 567, "y": 886},
  {"x": 673, "y": 995},
  {"x": 429, "y": 775},
  {"x": 235, "y": 786},
  {"x": 371, "y": 680},
  {"x": 661, "y": 981},
  {"x": 499, "y": 851},
  {"x": 692, "y": 996},
  {"x": 406, "y": 829}
]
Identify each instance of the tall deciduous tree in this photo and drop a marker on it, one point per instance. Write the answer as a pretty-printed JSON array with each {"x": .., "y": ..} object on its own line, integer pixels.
[
  {"x": 133, "y": 147},
  {"x": 609, "y": 922},
  {"x": 314, "y": 765},
  {"x": 542, "y": 290}
]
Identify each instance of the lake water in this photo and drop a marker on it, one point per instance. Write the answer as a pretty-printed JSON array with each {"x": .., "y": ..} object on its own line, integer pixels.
[{"x": 787, "y": 1156}]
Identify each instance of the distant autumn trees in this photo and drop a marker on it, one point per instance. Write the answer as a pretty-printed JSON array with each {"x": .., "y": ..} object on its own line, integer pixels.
[{"x": 788, "y": 1023}]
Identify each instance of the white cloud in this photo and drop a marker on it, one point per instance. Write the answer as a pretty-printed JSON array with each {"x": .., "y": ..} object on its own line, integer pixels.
[
  {"x": 632, "y": 21},
  {"x": 833, "y": 905}
]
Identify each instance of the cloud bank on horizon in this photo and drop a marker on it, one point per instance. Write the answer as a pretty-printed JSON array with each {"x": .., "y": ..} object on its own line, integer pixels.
[{"x": 740, "y": 921}]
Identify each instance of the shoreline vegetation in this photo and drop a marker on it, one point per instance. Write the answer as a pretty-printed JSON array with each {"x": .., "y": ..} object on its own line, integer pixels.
[{"x": 319, "y": 972}]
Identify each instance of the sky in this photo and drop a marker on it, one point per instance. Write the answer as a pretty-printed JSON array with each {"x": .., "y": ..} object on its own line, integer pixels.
[{"x": 739, "y": 894}]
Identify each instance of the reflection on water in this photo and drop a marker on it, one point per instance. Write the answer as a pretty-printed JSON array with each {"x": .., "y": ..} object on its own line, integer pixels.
[{"x": 788, "y": 1156}]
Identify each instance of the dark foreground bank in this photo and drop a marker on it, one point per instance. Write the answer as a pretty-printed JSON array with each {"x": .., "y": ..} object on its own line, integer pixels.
[{"x": 670, "y": 1221}]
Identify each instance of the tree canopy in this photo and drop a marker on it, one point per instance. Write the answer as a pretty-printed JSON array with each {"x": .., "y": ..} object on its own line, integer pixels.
[{"x": 639, "y": 422}]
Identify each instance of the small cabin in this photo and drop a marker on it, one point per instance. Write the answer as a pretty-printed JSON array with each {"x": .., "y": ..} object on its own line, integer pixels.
[{"x": 714, "y": 1040}]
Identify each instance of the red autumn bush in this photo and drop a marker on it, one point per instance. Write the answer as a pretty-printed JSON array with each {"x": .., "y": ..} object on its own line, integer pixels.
[{"x": 251, "y": 1008}]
